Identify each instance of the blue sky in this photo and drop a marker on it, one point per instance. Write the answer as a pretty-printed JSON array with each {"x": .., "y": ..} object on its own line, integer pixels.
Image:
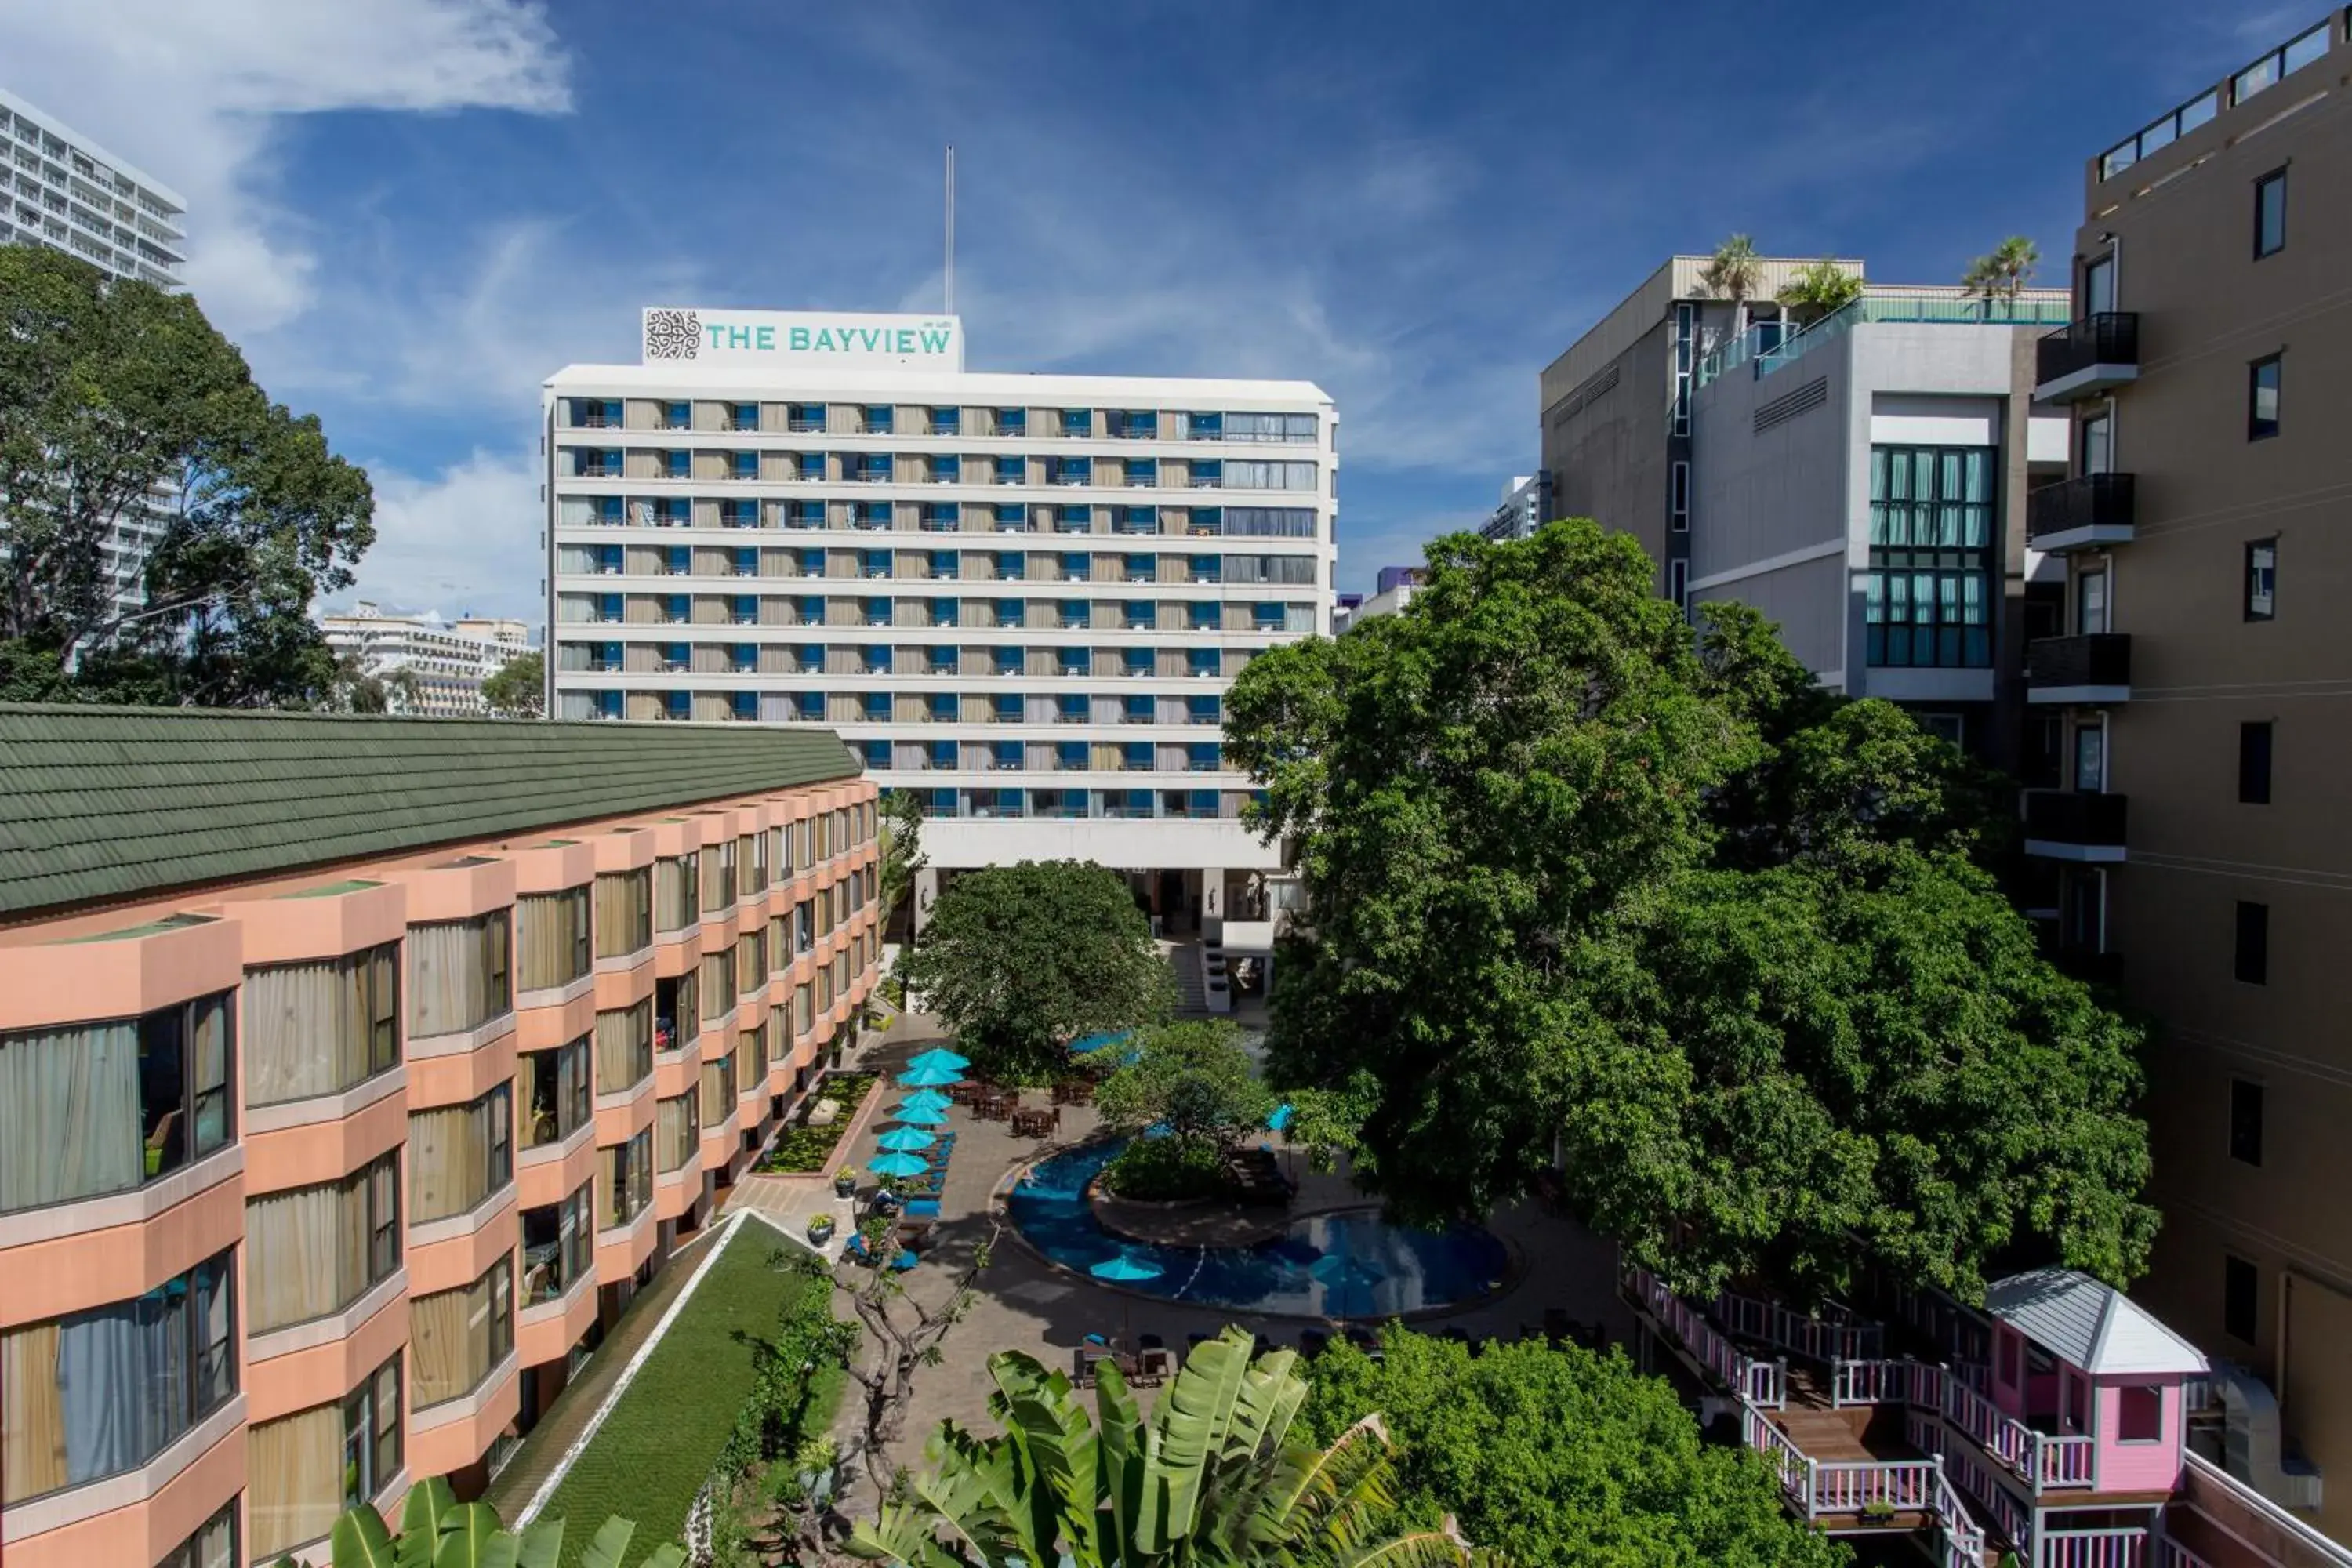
[{"x": 410, "y": 211}]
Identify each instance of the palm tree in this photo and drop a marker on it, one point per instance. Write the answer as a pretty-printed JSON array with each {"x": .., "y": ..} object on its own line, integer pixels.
[
  {"x": 1733, "y": 272},
  {"x": 2003, "y": 274},
  {"x": 436, "y": 1528},
  {"x": 1208, "y": 1481},
  {"x": 1820, "y": 289}
]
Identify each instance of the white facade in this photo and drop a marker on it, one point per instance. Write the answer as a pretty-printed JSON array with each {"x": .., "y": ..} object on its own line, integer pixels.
[
  {"x": 61, "y": 189},
  {"x": 446, "y": 662},
  {"x": 1526, "y": 502},
  {"x": 1023, "y": 596}
]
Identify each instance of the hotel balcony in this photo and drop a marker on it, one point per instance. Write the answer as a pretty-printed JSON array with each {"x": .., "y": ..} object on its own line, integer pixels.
[
  {"x": 2085, "y": 513},
  {"x": 2070, "y": 825},
  {"x": 2091, "y": 668},
  {"x": 2088, "y": 357}
]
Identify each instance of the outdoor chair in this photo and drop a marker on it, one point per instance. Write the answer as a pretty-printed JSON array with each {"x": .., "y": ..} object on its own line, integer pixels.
[{"x": 923, "y": 1208}]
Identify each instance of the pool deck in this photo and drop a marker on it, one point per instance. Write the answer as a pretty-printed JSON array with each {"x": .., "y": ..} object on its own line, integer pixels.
[{"x": 1025, "y": 1303}]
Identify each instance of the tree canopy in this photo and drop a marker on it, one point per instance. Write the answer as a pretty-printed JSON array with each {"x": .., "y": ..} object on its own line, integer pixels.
[
  {"x": 1585, "y": 888},
  {"x": 1019, "y": 959},
  {"x": 517, "y": 689},
  {"x": 1558, "y": 1458},
  {"x": 120, "y": 405},
  {"x": 1191, "y": 1078}
]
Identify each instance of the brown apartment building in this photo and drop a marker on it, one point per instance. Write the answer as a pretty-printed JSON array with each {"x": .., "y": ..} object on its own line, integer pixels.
[
  {"x": 2203, "y": 837},
  {"x": 353, "y": 1072}
]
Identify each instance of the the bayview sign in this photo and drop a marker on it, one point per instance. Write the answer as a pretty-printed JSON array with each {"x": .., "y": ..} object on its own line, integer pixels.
[{"x": 803, "y": 338}]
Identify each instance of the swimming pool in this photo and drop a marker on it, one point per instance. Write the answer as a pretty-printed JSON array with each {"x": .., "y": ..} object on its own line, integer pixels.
[{"x": 1345, "y": 1264}]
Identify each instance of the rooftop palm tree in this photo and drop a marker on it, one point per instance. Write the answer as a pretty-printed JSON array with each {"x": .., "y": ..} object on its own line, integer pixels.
[
  {"x": 2003, "y": 274},
  {"x": 1208, "y": 1481},
  {"x": 1820, "y": 289},
  {"x": 1733, "y": 272}
]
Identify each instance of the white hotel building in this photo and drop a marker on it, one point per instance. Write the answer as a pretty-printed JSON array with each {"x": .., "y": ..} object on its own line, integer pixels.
[{"x": 1021, "y": 597}]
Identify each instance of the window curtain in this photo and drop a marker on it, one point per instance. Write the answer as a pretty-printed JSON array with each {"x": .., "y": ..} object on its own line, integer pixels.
[
  {"x": 456, "y": 1337},
  {"x": 305, "y": 1032},
  {"x": 549, "y": 927},
  {"x": 32, "y": 1413},
  {"x": 69, "y": 1114},
  {"x": 624, "y": 912},
  {"x": 455, "y": 1156},
  {"x": 295, "y": 1486},
  {"x": 456, "y": 974},
  {"x": 307, "y": 1252},
  {"x": 718, "y": 985},
  {"x": 623, "y": 1048},
  {"x": 679, "y": 1130},
  {"x": 122, "y": 1376}
]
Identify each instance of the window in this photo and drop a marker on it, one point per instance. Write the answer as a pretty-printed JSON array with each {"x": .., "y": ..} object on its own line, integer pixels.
[
  {"x": 2263, "y": 398},
  {"x": 677, "y": 891},
  {"x": 677, "y": 1131},
  {"x": 2252, "y": 961},
  {"x": 553, "y": 930},
  {"x": 312, "y": 1251},
  {"x": 624, "y": 1047},
  {"x": 718, "y": 878},
  {"x": 213, "y": 1545},
  {"x": 718, "y": 985},
  {"x": 458, "y": 977},
  {"x": 558, "y": 1247},
  {"x": 718, "y": 1090},
  {"x": 91, "y": 1109},
  {"x": 2095, "y": 444},
  {"x": 2238, "y": 1318},
  {"x": 2254, "y": 763},
  {"x": 553, "y": 1088},
  {"x": 2099, "y": 286},
  {"x": 2012, "y": 1375},
  {"x": 2262, "y": 579},
  {"x": 1926, "y": 598},
  {"x": 2246, "y": 1122},
  {"x": 2269, "y": 214},
  {"x": 460, "y": 1154},
  {"x": 459, "y": 1337},
  {"x": 2091, "y": 759},
  {"x": 322, "y": 1027},
  {"x": 2139, "y": 1413},
  {"x": 1679, "y": 499},
  {"x": 1678, "y": 585},
  {"x": 313, "y": 1465},
  {"x": 96, "y": 1393}
]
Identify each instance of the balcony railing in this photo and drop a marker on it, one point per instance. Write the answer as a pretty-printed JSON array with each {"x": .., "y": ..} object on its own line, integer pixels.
[
  {"x": 2087, "y": 356},
  {"x": 2074, "y": 825},
  {"x": 1815, "y": 1338},
  {"x": 2041, "y": 1459},
  {"x": 2080, "y": 513},
  {"x": 1760, "y": 1382},
  {"x": 2095, "y": 667}
]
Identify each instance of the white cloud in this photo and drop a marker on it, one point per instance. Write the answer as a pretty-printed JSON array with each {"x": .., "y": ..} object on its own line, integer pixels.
[
  {"x": 463, "y": 539},
  {"x": 188, "y": 92}
]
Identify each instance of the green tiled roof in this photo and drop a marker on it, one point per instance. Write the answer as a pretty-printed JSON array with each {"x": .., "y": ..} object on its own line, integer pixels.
[{"x": 98, "y": 805}]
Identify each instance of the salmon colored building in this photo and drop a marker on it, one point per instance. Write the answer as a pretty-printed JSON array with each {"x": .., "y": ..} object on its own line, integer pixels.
[{"x": 353, "y": 1074}]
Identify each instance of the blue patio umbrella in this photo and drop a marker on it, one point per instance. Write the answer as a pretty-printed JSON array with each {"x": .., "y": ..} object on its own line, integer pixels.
[
  {"x": 929, "y": 1098},
  {"x": 906, "y": 1140},
  {"x": 919, "y": 1115},
  {"x": 930, "y": 1078},
  {"x": 939, "y": 1058},
  {"x": 1126, "y": 1268},
  {"x": 1086, "y": 1045},
  {"x": 1348, "y": 1283},
  {"x": 900, "y": 1166},
  {"x": 1280, "y": 1121}
]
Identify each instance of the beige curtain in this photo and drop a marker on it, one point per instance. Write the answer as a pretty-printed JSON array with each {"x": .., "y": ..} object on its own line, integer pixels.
[
  {"x": 624, "y": 1047},
  {"x": 32, "y": 1414},
  {"x": 718, "y": 985},
  {"x": 678, "y": 1130},
  {"x": 295, "y": 1479},
  {"x": 624, "y": 912},
  {"x": 549, "y": 927},
  {"x": 457, "y": 974},
  {"x": 457, "y": 1155},
  {"x": 307, "y": 1252},
  {"x": 718, "y": 1090},
  {"x": 677, "y": 894},
  {"x": 453, "y": 1337},
  {"x": 305, "y": 1031}
]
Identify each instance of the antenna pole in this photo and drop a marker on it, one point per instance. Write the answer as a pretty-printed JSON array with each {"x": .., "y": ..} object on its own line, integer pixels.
[{"x": 951, "y": 271}]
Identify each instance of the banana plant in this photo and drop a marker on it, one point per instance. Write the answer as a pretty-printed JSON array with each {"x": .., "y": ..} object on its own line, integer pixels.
[
  {"x": 438, "y": 1531},
  {"x": 1209, "y": 1480}
]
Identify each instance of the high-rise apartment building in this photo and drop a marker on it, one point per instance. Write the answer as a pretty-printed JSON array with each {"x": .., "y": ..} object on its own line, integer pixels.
[
  {"x": 1019, "y": 597},
  {"x": 1526, "y": 506},
  {"x": 431, "y": 666},
  {"x": 2198, "y": 845},
  {"x": 353, "y": 1073},
  {"x": 62, "y": 190}
]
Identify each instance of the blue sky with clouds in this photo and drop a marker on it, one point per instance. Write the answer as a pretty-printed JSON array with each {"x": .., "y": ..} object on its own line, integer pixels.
[{"x": 410, "y": 211}]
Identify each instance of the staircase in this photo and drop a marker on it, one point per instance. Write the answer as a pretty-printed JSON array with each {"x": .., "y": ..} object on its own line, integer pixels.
[{"x": 1184, "y": 962}]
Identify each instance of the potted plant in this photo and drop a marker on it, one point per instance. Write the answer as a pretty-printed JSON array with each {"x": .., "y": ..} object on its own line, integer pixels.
[
  {"x": 844, "y": 1182},
  {"x": 1878, "y": 1510},
  {"x": 820, "y": 1229}
]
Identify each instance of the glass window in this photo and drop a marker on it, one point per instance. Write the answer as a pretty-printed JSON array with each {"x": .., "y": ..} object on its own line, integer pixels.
[
  {"x": 2262, "y": 579},
  {"x": 2263, "y": 398},
  {"x": 460, "y": 1154},
  {"x": 91, "y": 1109},
  {"x": 2090, "y": 603},
  {"x": 2139, "y": 1413},
  {"x": 312, "y": 1251},
  {"x": 459, "y": 1337},
  {"x": 1926, "y": 597},
  {"x": 2091, "y": 759},
  {"x": 309, "y": 1468},
  {"x": 678, "y": 1131},
  {"x": 96, "y": 1393},
  {"x": 2099, "y": 287},
  {"x": 2254, "y": 762},
  {"x": 2270, "y": 215},
  {"x": 624, "y": 1047},
  {"x": 457, "y": 974},
  {"x": 212, "y": 1544},
  {"x": 558, "y": 1247},
  {"x": 322, "y": 1027},
  {"x": 553, "y": 930},
  {"x": 553, "y": 1088},
  {"x": 677, "y": 891}
]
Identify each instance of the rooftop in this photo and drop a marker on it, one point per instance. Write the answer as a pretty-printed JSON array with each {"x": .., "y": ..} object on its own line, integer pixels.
[
  {"x": 973, "y": 386},
  {"x": 103, "y": 805},
  {"x": 2089, "y": 1325}
]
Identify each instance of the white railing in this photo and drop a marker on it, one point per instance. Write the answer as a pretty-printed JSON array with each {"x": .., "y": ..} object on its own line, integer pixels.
[
  {"x": 1869, "y": 1383},
  {"x": 1815, "y": 1338},
  {"x": 2170, "y": 1554},
  {"x": 2091, "y": 1549},
  {"x": 1762, "y": 1383},
  {"x": 1788, "y": 1461},
  {"x": 1964, "y": 1538},
  {"x": 1855, "y": 1485}
]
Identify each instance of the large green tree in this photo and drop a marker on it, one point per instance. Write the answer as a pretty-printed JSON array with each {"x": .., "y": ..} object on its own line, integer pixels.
[
  {"x": 1213, "y": 1478},
  {"x": 1195, "y": 1083},
  {"x": 1586, "y": 889},
  {"x": 1558, "y": 1458},
  {"x": 1019, "y": 959},
  {"x": 518, "y": 688},
  {"x": 120, "y": 403}
]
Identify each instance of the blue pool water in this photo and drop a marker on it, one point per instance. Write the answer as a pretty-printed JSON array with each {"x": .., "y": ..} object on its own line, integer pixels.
[{"x": 1350, "y": 1264}]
